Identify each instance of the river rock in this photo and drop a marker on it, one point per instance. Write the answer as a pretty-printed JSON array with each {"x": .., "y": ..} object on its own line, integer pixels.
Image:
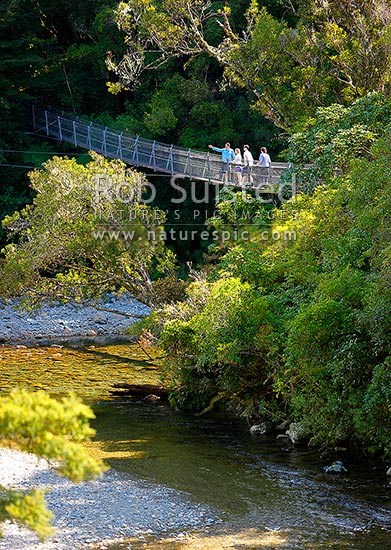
[
  {"x": 336, "y": 468},
  {"x": 388, "y": 473},
  {"x": 99, "y": 319},
  {"x": 298, "y": 433},
  {"x": 57, "y": 320},
  {"x": 152, "y": 397},
  {"x": 263, "y": 428}
]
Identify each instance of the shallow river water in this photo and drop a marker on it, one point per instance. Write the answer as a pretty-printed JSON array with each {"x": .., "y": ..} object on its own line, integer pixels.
[{"x": 267, "y": 494}]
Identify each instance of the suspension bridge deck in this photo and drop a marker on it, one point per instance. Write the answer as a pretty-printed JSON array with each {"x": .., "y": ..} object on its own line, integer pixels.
[{"x": 140, "y": 152}]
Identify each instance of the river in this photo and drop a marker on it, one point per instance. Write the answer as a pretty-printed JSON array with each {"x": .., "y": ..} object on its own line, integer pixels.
[{"x": 268, "y": 494}]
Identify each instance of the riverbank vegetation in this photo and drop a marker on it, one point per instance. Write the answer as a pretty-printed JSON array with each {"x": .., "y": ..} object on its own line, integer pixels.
[
  {"x": 291, "y": 322},
  {"x": 299, "y": 328}
]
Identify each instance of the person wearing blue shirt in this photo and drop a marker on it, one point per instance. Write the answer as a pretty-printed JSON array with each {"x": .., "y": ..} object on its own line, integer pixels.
[
  {"x": 227, "y": 156},
  {"x": 265, "y": 163}
]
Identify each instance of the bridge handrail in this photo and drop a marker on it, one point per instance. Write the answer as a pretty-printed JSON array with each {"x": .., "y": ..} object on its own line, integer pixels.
[{"x": 144, "y": 152}]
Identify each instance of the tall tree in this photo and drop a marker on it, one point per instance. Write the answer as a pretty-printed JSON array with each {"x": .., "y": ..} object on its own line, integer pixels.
[
  {"x": 87, "y": 232},
  {"x": 333, "y": 52}
]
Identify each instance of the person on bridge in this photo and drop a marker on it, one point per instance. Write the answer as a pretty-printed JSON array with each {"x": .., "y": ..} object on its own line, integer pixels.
[
  {"x": 265, "y": 164},
  {"x": 227, "y": 156},
  {"x": 248, "y": 165},
  {"x": 238, "y": 162}
]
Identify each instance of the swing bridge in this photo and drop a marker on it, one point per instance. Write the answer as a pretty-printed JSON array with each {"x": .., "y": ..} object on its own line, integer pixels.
[{"x": 160, "y": 157}]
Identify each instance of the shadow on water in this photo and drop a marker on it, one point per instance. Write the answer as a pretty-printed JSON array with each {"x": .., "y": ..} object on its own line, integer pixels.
[{"x": 99, "y": 355}]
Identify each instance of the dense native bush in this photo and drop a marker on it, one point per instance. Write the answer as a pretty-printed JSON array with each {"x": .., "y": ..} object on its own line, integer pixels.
[
  {"x": 301, "y": 323},
  {"x": 220, "y": 342},
  {"x": 335, "y": 136}
]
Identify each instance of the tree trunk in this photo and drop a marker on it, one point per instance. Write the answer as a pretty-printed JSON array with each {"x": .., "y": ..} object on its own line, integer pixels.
[{"x": 139, "y": 390}]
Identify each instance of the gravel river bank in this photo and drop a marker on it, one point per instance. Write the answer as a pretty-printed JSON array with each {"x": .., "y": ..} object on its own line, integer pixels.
[
  {"x": 116, "y": 506},
  {"x": 109, "y": 317},
  {"x": 107, "y": 510}
]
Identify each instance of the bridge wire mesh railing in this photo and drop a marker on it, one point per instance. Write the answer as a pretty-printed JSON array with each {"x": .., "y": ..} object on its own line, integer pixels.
[{"x": 160, "y": 157}]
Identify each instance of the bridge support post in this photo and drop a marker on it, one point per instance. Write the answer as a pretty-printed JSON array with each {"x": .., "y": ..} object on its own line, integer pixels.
[
  {"x": 207, "y": 164},
  {"x": 170, "y": 160},
  {"x": 104, "y": 144},
  {"x": 152, "y": 158},
  {"x": 46, "y": 122},
  {"x": 59, "y": 127},
  {"x": 135, "y": 151},
  {"x": 120, "y": 145},
  {"x": 89, "y": 136},
  {"x": 74, "y": 133},
  {"x": 188, "y": 164}
]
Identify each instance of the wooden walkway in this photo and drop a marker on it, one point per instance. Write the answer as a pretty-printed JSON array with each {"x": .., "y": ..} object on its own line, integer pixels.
[{"x": 140, "y": 152}]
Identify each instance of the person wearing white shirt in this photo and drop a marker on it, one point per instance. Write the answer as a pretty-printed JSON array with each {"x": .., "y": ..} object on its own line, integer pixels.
[{"x": 248, "y": 165}]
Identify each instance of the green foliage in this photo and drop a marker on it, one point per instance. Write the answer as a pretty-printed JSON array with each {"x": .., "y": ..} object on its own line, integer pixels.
[
  {"x": 189, "y": 111},
  {"x": 374, "y": 417},
  {"x": 239, "y": 208},
  {"x": 301, "y": 323},
  {"x": 86, "y": 233},
  {"x": 314, "y": 333},
  {"x": 28, "y": 509},
  {"x": 243, "y": 261},
  {"x": 50, "y": 428},
  {"x": 53, "y": 429},
  {"x": 222, "y": 341},
  {"x": 327, "y": 55},
  {"x": 336, "y": 135},
  {"x": 161, "y": 118}
]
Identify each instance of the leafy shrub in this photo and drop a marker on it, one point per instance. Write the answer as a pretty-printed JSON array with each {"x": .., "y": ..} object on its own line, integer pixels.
[{"x": 373, "y": 417}]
